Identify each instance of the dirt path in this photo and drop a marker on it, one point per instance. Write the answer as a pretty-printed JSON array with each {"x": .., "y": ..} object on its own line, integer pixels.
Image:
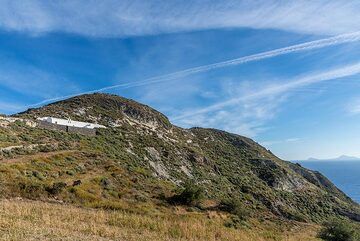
[{"x": 35, "y": 156}]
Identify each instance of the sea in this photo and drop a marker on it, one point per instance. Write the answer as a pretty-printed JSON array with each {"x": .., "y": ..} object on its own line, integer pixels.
[{"x": 344, "y": 174}]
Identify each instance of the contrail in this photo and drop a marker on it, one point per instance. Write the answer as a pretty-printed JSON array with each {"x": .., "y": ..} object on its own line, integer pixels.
[
  {"x": 339, "y": 39},
  {"x": 278, "y": 89}
]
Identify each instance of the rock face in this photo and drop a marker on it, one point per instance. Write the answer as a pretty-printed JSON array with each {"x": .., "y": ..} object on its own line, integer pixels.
[{"x": 152, "y": 151}]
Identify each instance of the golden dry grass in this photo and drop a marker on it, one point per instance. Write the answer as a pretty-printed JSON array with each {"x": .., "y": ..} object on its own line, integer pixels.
[{"x": 34, "y": 220}]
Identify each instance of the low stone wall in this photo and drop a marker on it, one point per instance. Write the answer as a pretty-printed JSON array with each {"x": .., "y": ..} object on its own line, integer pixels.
[
  {"x": 70, "y": 129},
  {"x": 51, "y": 126}
]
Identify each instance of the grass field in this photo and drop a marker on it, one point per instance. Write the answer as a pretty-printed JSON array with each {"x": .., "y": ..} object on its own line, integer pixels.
[{"x": 34, "y": 220}]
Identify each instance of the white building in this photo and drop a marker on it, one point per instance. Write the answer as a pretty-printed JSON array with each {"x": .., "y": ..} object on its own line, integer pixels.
[{"x": 69, "y": 122}]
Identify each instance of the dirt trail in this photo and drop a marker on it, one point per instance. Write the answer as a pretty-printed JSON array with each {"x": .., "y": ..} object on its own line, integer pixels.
[{"x": 35, "y": 156}]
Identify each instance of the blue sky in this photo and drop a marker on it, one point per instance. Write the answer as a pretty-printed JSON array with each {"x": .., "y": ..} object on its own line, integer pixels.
[{"x": 299, "y": 101}]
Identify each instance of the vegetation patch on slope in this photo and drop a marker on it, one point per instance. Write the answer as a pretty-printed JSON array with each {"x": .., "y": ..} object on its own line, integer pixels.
[{"x": 142, "y": 164}]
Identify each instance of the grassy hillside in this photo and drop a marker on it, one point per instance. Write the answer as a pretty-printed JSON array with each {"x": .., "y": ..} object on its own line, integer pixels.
[
  {"x": 141, "y": 164},
  {"x": 29, "y": 220}
]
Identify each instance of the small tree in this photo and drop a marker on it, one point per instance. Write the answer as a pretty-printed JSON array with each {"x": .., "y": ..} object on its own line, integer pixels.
[{"x": 337, "y": 230}]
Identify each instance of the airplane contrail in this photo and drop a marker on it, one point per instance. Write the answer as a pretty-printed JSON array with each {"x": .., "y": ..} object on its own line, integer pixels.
[
  {"x": 339, "y": 39},
  {"x": 278, "y": 89}
]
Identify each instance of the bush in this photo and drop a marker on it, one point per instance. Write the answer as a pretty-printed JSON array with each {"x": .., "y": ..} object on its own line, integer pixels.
[
  {"x": 32, "y": 189},
  {"x": 235, "y": 207},
  {"x": 235, "y": 222},
  {"x": 70, "y": 172},
  {"x": 38, "y": 175},
  {"x": 56, "y": 188},
  {"x": 337, "y": 230},
  {"x": 191, "y": 194}
]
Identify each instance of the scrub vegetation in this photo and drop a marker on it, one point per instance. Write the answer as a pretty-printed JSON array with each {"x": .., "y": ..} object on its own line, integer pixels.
[{"x": 145, "y": 178}]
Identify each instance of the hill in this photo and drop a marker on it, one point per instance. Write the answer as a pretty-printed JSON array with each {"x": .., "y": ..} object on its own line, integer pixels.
[
  {"x": 141, "y": 162},
  {"x": 109, "y": 110},
  {"x": 340, "y": 158}
]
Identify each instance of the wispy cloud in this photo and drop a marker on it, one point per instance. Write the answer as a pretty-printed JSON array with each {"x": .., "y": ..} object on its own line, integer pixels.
[
  {"x": 24, "y": 79},
  {"x": 142, "y": 17},
  {"x": 246, "y": 118},
  {"x": 249, "y": 113},
  {"x": 29, "y": 80},
  {"x": 353, "y": 107},
  {"x": 326, "y": 42}
]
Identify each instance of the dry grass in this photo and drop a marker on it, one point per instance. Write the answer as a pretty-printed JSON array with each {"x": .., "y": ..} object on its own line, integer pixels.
[{"x": 30, "y": 220}]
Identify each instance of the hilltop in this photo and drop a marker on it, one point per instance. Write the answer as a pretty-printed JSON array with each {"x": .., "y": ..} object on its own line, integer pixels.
[
  {"x": 106, "y": 109},
  {"x": 141, "y": 162}
]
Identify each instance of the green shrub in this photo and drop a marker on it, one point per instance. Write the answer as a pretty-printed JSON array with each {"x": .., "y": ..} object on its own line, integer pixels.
[
  {"x": 190, "y": 194},
  {"x": 107, "y": 205},
  {"x": 235, "y": 207},
  {"x": 38, "y": 175},
  {"x": 297, "y": 216},
  {"x": 56, "y": 188},
  {"x": 337, "y": 230},
  {"x": 80, "y": 169},
  {"x": 70, "y": 172},
  {"x": 235, "y": 222},
  {"x": 106, "y": 183},
  {"x": 31, "y": 189}
]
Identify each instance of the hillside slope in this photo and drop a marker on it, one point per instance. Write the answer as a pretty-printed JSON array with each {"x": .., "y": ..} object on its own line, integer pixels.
[
  {"x": 34, "y": 220},
  {"x": 141, "y": 160}
]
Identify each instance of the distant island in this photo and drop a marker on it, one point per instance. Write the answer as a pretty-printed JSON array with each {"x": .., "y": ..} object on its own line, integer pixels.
[{"x": 340, "y": 158}]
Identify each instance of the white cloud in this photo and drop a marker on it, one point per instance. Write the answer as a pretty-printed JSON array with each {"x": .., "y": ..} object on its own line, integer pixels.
[
  {"x": 228, "y": 120},
  {"x": 340, "y": 39},
  {"x": 246, "y": 118},
  {"x": 32, "y": 81},
  {"x": 248, "y": 113},
  {"x": 278, "y": 89},
  {"x": 113, "y": 18}
]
